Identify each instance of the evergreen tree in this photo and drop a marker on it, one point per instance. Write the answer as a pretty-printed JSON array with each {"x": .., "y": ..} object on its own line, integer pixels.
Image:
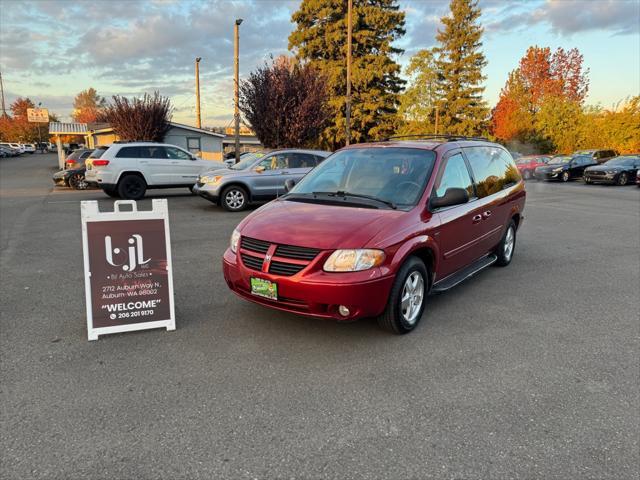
[
  {"x": 460, "y": 63},
  {"x": 320, "y": 39},
  {"x": 418, "y": 102}
]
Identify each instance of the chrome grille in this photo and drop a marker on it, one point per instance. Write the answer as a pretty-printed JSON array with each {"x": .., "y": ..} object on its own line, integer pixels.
[{"x": 300, "y": 256}]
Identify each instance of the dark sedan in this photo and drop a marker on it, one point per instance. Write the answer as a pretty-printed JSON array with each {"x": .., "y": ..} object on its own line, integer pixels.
[
  {"x": 72, "y": 177},
  {"x": 564, "y": 167},
  {"x": 619, "y": 171}
]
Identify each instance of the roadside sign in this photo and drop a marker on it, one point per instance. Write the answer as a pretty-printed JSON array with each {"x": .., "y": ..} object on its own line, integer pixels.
[
  {"x": 39, "y": 115},
  {"x": 127, "y": 268}
]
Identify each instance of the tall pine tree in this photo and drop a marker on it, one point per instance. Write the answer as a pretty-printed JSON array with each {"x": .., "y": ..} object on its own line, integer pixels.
[
  {"x": 460, "y": 63},
  {"x": 320, "y": 38}
]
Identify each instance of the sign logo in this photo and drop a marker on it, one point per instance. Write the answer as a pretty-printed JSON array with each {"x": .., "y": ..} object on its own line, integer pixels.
[
  {"x": 38, "y": 115},
  {"x": 135, "y": 253}
]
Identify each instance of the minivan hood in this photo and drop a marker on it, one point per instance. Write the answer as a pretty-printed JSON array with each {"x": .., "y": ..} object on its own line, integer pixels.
[{"x": 315, "y": 225}]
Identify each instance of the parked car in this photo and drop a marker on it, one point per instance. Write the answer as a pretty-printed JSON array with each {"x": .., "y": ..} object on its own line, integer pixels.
[
  {"x": 127, "y": 170},
  {"x": 599, "y": 156},
  {"x": 230, "y": 159},
  {"x": 8, "y": 150},
  {"x": 77, "y": 158},
  {"x": 620, "y": 170},
  {"x": 13, "y": 146},
  {"x": 256, "y": 178},
  {"x": 638, "y": 178},
  {"x": 528, "y": 164},
  {"x": 5, "y": 152},
  {"x": 72, "y": 177},
  {"x": 376, "y": 227},
  {"x": 564, "y": 167},
  {"x": 29, "y": 148}
]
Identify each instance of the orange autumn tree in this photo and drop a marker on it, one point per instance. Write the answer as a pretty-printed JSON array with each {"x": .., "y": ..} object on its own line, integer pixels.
[
  {"x": 87, "y": 106},
  {"x": 541, "y": 77}
]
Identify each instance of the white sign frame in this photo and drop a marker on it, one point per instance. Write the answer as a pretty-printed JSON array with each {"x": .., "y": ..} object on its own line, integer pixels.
[{"x": 91, "y": 213}]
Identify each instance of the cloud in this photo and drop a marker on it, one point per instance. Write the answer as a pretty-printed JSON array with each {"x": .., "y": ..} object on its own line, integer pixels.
[{"x": 567, "y": 17}]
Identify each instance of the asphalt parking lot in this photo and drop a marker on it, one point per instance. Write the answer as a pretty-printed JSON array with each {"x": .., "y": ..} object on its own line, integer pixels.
[{"x": 525, "y": 372}]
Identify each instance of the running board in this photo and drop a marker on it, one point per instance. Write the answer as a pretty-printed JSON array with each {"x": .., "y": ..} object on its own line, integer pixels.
[{"x": 459, "y": 277}]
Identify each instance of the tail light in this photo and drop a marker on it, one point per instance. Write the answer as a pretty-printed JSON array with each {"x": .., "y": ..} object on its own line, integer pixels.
[{"x": 99, "y": 163}]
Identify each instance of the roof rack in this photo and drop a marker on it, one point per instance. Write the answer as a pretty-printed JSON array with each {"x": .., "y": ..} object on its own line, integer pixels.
[{"x": 448, "y": 138}]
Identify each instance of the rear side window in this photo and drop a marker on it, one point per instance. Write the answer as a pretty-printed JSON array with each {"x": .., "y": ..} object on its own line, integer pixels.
[
  {"x": 454, "y": 175},
  {"x": 98, "y": 152},
  {"x": 301, "y": 160},
  {"x": 128, "y": 152},
  {"x": 493, "y": 169}
]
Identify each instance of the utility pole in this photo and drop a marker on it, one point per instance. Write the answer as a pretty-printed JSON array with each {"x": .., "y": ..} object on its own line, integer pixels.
[
  {"x": 4, "y": 110},
  {"x": 198, "y": 120},
  {"x": 236, "y": 86},
  {"x": 348, "y": 100},
  {"x": 437, "y": 116}
]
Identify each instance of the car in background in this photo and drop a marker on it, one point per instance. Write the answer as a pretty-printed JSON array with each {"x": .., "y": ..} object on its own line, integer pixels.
[
  {"x": 29, "y": 148},
  {"x": 528, "y": 164},
  {"x": 230, "y": 160},
  {"x": 638, "y": 178},
  {"x": 564, "y": 167},
  {"x": 9, "y": 151},
  {"x": 257, "y": 178},
  {"x": 619, "y": 171},
  {"x": 128, "y": 170},
  {"x": 599, "y": 156},
  {"x": 72, "y": 178},
  {"x": 77, "y": 158},
  {"x": 14, "y": 146},
  {"x": 376, "y": 227}
]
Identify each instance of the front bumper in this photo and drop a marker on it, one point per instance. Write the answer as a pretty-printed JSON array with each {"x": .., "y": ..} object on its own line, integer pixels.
[
  {"x": 208, "y": 192},
  {"x": 317, "y": 294}
]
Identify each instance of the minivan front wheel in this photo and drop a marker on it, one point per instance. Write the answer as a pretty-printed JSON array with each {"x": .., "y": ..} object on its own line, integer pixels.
[{"x": 407, "y": 298}]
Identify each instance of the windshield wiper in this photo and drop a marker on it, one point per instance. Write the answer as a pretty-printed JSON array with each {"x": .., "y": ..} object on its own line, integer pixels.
[{"x": 341, "y": 193}]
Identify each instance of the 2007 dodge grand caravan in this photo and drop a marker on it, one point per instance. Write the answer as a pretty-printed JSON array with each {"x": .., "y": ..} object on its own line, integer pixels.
[{"x": 376, "y": 227}]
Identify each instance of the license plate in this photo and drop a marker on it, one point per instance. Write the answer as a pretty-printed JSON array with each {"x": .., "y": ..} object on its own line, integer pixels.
[{"x": 264, "y": 288}]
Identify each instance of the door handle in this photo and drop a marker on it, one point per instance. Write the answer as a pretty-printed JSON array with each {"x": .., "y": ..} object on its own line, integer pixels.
[
  {"x": 144, "y": 161},
  {"x": 477, "y": 218},
  {"x": 284, "y": 173},
  {"x": 486, "y": 214}
]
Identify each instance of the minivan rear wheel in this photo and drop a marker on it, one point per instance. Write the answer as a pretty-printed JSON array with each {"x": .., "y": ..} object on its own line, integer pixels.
[
  {"x": 407, "y": 298},
  {"x": 507, "y": 246}
]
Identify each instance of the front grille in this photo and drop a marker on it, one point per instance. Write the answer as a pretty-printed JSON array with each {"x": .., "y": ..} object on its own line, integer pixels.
[
  {"x": 298, "y": 253},
  {"x": 254, "y": 263},
  {"x": 286, "y": 269},
  {"x": 254, "y": 245},
  {"x": 300, "y": 256},
  {"x": 596, "y": 173}
]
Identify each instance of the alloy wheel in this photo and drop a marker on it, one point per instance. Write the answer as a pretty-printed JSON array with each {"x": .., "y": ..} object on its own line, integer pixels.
[
  {"x": 412, "y": 297},
  {"x": 622, "y": 179},
  {"x": 234, "y": 199},
  {"x": 509, "y": 243}
]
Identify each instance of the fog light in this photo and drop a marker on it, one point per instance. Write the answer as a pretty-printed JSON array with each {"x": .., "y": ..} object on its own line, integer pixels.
[{"x": 344, "y": 311}]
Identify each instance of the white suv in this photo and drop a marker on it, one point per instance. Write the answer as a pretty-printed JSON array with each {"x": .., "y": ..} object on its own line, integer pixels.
[{"x": 127, "y": 170}]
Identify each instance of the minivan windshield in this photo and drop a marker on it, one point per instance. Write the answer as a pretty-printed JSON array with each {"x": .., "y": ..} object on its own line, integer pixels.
[{"x": 377, "y": 177}]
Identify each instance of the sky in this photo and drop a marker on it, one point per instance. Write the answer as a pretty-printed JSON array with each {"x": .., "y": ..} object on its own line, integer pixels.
[{"x": 52, "y": 49}]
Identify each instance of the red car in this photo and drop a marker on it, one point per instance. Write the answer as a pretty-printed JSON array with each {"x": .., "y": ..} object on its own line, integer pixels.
[
  {"x": 376, "y": 227},
  {"x": 528, "y": 164}
]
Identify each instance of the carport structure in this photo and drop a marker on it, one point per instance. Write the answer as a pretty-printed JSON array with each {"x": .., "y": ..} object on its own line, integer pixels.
[{"x": 60, "y": 128}]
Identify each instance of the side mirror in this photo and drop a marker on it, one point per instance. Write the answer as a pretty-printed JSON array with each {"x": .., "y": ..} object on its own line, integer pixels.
[
  {"x": 259, "y": 169},
  {"x": 289, "y": 184},
  {"x": 453, "y": 196}
]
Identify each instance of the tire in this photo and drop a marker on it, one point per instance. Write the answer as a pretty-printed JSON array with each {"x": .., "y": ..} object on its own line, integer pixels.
[
  {"x": 77, "y": 182},
  {"x": 234, "y": 198},
  {"x": 566, "y": 176},
  {"x": 394, "y": 318},
  {"x": 527, "y": 175},
  {"x": 191, "y": 188},
  {"x": 112, "y": 193},
  {"x": 623, "y": 179},
  {"x": 132, "y": 187},
  {"x": 587, "y": 180},
  {"x": 502, "y": 251}
]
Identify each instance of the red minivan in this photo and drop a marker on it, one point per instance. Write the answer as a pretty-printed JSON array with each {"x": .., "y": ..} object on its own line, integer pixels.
[{"x": 376, "y": 227}]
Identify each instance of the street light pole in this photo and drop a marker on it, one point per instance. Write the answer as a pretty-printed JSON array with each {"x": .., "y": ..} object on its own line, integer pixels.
[
  {"x": 236, "y": 86},
  {"x": 198, "y": 120},
  {"x": 348, "y": 100}
]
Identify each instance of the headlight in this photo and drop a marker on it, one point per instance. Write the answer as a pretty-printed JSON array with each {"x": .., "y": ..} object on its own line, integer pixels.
[
  {"x": 611, "y": 172},
  {"x": 210, "y": 180},
  {"x": 353, "y": 260},
  {"x": 557, "y": 170},
  {"x": 235, "y": 239}
]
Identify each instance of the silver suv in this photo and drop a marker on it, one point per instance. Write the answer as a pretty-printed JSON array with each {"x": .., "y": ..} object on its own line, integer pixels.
[{"x": 256, "y": 178}]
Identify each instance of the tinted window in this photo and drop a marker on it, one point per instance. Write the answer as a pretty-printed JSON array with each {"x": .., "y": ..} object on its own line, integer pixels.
[
  {"x": 454, "y": 175},
  {"x": 177, "y": 154},
  {"x": 493, "y": 169},
  {"x": 128, "y": 152},
  {"x": 155, "y": 152},
  {"x": 302, "y": 160},
  {"x": 97, "y": 153}
]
